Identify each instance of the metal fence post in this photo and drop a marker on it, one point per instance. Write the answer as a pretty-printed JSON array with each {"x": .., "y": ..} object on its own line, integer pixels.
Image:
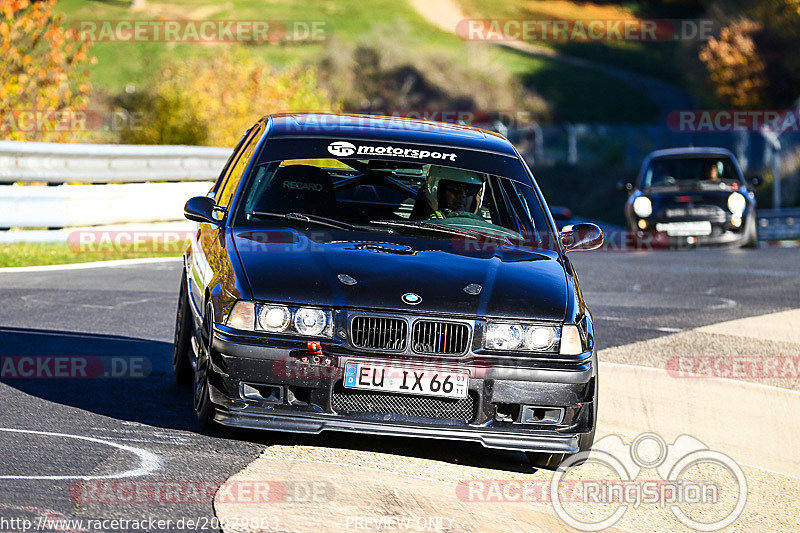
[
  {"x": 572, "y": 144},
  {"x": 773, "y": 140}
]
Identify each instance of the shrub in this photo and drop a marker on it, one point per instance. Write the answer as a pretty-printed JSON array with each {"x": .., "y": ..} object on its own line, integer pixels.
[{"x": 211, "y": 101}]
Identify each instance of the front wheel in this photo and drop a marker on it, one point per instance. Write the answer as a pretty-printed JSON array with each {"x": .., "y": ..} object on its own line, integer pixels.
[
  {"x": 202, "y": 399},
  {"x": 182, "y": 345},
  {"x": 751, "y": 233},
  {"x": 551, "y": 461}
]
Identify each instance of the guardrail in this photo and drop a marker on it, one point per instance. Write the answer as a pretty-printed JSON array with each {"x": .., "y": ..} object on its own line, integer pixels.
[
  {"x": 127, "y": 197},
  {"x": 778, "y": 224},
  {"x": 108, "y": 163},
  {"x": 125, "y": 182}
]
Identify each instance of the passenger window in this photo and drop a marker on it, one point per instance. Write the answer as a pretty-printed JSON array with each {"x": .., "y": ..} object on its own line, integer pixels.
[{"x": 226, "y": 192}]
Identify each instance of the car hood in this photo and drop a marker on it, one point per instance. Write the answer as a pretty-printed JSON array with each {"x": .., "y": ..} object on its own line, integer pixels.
[{"x": 289, "y": 267}]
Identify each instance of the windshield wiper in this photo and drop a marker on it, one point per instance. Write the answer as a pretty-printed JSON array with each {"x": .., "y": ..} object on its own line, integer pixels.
[
  {"x": 428, "y": 226},
  {"x": 450, "y": 230},
  {"x": 316, "y": 219}
]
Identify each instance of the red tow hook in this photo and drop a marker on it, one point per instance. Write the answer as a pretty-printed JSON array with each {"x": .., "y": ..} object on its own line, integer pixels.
[{"x": 314, "y": 348}]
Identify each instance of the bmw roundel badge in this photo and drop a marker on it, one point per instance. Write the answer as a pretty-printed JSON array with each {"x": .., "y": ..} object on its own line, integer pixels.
[{"x": 411, "y": 298}]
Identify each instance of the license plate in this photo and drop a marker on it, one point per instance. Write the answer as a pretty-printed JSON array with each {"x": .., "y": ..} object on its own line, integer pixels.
[
  {"x": 685, "y": 229},
  {"x": 425, "y": 382}
]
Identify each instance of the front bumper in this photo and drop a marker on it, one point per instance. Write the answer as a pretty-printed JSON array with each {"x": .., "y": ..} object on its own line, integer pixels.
[
  {"x": 721, "y": 234},
  {"x": 308, "y": 385}
]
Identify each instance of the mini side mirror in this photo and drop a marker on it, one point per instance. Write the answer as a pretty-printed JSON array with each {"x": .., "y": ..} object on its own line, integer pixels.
[
  {"x": 756, "y": 181},
  {"x": 583, "y": 236},
  {"x": 202, "y": 209},
  {"x": 624, "y": 185}
]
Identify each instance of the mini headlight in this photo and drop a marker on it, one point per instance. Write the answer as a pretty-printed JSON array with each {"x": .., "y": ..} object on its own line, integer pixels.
[
  {"x": 273, "y": 317},
  {"x": 503, "y": 336},
  {"x": 540, "y": 338},
  {"x": 242, "y": 316},
  {"x": 310, "y": 321},
  {"x": 736, "y": 203},
  {"x": 642, "y": 206}
]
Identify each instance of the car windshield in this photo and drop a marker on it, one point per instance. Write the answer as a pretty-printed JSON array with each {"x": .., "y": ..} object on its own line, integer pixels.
[
  {"x": 393, "y": 197},
  {"x": 678, "y": 170}
]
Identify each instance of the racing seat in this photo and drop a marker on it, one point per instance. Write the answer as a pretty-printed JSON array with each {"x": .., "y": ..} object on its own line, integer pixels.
[{"x": 299, "y": 189}]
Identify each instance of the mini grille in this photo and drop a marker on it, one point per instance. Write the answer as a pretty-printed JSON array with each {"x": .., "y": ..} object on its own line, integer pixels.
[
  {"x": 440, "y": 337},
  {"x": 349, "y": 401},
  {"x": 379, "y": 333}
]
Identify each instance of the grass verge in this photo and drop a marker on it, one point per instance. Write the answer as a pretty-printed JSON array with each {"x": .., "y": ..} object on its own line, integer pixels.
[{"x": 20, "y": 254}]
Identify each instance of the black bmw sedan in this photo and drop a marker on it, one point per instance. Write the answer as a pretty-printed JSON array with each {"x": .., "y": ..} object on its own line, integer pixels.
[
  {"x": 386, "y": 276},
  {"x": 692, "y": 196}
]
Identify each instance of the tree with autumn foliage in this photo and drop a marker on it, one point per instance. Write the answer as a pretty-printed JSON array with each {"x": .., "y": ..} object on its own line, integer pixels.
[
  {"x": 754, "y": 61},
  {"x": 735, "y": 67},
  {"x": 43, "y": 88}
]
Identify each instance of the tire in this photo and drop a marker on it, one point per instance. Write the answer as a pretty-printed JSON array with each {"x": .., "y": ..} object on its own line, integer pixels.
[
  {"x": 551, "y": 461},
  {"x": 751, "y": 233},
  {"x": 182, "y": 345},
  {"x": 203, "y": 406}
]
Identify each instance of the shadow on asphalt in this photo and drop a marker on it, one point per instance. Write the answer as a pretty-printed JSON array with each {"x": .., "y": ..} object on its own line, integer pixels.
[
  {"x": 130, "y": 379},
  {"x": 138, "y": 386}
]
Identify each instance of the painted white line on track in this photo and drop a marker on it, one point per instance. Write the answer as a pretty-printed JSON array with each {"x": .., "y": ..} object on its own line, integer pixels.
[
  {"x": 148, "y": 461},
  {"x": 93, "y": 264}
]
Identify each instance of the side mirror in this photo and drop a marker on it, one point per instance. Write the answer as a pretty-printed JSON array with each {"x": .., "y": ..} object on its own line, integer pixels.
[
  {"x": 624, "y": 185},
  {"x": 756, "y": 181},
  {"x": 202, "y": 209},
  {"x": 583, "y": 236}
]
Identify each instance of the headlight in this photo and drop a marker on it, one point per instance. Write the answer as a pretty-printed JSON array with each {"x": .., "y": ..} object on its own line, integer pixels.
[
  {"x": 524, "y": 337},
  {"x": 540, "y": 339},
  {"x": 503, "y": 336},
  {"x": 273, "y": 317},
  {"x": 736, "y": 203},
  {"x": 310, "y": 321},
  {"x": 276, "y": 318},
  {"x": 642, "y": 206}
]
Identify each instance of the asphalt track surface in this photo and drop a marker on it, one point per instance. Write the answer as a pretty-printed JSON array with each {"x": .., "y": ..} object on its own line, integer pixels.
[{"x": 73, "y": 431}]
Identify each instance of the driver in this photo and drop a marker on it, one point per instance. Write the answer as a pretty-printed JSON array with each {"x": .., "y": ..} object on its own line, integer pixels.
[
  {"x": 454, "y": 192},
  {"x": 712, "y": 171}
]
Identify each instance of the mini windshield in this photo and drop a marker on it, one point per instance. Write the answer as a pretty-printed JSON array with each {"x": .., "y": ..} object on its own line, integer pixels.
[
  {"x": 675, "y": 170},
  {"x": 434, "y": 201}
]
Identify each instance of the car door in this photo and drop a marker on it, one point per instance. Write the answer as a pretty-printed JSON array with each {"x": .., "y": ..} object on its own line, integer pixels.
[{"x": 209, "y": 260}]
